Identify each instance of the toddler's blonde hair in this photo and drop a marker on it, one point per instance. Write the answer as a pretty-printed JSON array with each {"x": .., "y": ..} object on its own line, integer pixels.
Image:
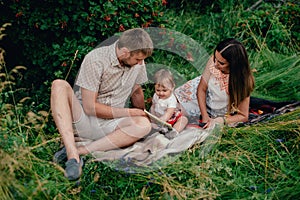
[{"x": 164, "y": 77}]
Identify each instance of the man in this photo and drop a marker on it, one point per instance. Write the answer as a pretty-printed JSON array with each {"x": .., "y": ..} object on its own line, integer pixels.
[{"x": 107, "y": 78}]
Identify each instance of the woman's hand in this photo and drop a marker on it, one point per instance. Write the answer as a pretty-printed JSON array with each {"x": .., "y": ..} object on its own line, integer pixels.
[{"x": 209, "y": 122}]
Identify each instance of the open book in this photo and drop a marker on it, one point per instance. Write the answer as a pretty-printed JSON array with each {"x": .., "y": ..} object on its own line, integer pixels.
[{"x": 158, "y": 121}]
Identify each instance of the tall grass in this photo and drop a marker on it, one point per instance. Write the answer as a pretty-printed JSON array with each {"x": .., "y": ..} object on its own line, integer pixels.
[
  {"x": 252, "y": 162},
  {"x": 276, "y": 75}
]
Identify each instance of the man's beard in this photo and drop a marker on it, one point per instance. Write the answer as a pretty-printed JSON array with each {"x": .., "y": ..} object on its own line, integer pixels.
[{"x": 125, "y": 64}]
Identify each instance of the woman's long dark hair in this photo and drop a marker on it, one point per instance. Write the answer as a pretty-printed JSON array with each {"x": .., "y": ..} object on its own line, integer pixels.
[{"x": 241, "y": 80}]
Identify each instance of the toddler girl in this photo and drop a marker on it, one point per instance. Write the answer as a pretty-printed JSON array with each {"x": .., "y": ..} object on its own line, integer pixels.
[{"x": 165, "y": 105}]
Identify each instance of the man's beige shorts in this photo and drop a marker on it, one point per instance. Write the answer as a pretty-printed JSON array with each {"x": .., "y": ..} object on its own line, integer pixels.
[{"x": 90, "y": 127}]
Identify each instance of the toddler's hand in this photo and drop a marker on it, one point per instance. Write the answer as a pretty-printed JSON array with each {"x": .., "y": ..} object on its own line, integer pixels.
[
  {"x": 171, "y": 134},
  {"x": 163, "y": 130}
]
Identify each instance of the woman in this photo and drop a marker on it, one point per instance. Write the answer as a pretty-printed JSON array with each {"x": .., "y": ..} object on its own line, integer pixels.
[{"x": 222, "y": 93}]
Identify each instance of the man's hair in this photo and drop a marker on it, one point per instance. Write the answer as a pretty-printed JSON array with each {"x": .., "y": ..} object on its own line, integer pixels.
[
  {"x": 136, "y": 40},
  {"x": 164, "y": 78}
]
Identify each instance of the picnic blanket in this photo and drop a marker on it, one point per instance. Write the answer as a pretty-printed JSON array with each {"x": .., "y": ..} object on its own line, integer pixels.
[
  {"x": 155, "y": 145},
  {"x": 262, "y": 110}
]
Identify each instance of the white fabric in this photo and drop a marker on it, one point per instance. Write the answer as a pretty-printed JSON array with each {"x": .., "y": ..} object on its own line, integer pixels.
[
  {"x": 216, "y": 97},
  {"x": 161, "y": 105}
]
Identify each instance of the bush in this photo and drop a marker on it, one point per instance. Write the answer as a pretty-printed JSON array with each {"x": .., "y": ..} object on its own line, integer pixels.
[
  {"x": 275, "y": 26},
  {"x": 54, "y": 36}
]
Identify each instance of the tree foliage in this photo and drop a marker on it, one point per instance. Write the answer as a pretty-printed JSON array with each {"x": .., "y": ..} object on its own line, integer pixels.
[{"x": 49, "y": 32}]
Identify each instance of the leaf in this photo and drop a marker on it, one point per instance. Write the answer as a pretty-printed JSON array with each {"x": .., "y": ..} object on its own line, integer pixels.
[
  {"x": 20, "y": 67},
  {"x": 43, "y": 113},
  {"x": 31, "y": 114},
  {"x": 24, "y": 99}
]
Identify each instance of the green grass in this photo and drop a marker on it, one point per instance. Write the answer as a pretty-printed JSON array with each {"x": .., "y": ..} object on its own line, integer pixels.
[
  {"x": 277, "y": 75},
  {"x": 260, "y": 161}
]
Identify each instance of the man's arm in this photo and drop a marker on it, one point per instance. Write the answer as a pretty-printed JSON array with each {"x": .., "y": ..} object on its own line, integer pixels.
[
  {"x": 93, "y": 108},
  {"x": 137, "y": 97}
]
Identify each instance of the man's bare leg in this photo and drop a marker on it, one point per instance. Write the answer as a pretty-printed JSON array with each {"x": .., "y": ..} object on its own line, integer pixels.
[
  {"x": 128, "y": 132},
  {"x": 65, "y": 109}
]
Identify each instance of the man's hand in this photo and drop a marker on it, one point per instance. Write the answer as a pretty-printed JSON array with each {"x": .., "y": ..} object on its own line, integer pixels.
[{"x": 136, "y": 112}]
